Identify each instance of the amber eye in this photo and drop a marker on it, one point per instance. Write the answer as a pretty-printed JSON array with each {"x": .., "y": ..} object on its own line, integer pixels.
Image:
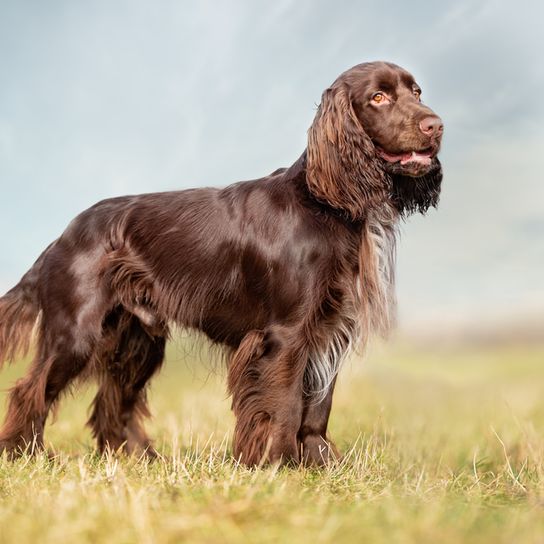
[
  {"x": 378, "y": 98},
  {"x": 417, "y": 93}
]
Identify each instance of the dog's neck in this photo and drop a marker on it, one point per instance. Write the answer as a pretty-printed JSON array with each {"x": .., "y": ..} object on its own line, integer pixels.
[
  {"x": 377, "y": 230},
  {"x": 404, "y": 194},
  {"x": 376, "y": 202}
]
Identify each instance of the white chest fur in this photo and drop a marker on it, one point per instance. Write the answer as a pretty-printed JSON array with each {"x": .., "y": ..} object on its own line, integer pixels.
[{"x": 369, "y": 309}]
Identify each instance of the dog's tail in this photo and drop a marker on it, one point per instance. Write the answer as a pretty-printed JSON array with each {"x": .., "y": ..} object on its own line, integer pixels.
[{"x": 19, "y": 311}]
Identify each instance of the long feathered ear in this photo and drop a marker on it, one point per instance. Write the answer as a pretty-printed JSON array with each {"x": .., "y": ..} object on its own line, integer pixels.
[
  {"x": 342, "y": 167},
  {"x": 411, "y": 195}
]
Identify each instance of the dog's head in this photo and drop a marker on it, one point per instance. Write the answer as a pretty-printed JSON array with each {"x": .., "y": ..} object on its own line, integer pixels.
[{"x": 373, "y": 139}]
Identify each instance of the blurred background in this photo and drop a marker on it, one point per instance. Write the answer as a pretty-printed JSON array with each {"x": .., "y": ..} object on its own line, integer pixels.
[{"x": 100, "y": 98}]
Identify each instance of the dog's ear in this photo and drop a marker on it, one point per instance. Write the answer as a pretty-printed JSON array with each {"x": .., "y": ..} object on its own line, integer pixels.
[
  {"x": 342, "y": 167},
  {"x": 411, "y": 195}
]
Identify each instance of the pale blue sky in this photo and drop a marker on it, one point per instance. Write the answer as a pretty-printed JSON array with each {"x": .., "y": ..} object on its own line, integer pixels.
[{"x": 106, "y": 98}]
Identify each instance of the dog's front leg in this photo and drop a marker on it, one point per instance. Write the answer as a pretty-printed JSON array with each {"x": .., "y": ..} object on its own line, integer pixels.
[
  {"x": 317, "y": 448},
  {"x": 265, "y": 380}
]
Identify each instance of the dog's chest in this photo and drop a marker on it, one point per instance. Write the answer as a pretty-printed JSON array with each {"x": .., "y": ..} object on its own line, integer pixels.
[
  {"x": 375, "y": 282},
  {"x": 368, "y": 304}
]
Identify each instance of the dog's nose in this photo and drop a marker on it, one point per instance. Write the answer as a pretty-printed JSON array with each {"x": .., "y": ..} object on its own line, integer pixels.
[{"x": 431, "y": 126}]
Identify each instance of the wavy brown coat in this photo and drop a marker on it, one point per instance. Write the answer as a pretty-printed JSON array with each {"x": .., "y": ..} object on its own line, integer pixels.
[{"x": 288, "y": 273}]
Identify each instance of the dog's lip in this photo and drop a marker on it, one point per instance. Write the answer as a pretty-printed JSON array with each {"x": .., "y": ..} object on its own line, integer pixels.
[{"x": 423, "y": 157}]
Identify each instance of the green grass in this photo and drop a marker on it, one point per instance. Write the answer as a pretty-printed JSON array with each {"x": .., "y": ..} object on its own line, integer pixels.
[{"x": 442, "y": 446}]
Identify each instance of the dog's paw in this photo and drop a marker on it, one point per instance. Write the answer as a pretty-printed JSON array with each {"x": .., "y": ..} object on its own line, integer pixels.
[{"x": 318, "y": 451}]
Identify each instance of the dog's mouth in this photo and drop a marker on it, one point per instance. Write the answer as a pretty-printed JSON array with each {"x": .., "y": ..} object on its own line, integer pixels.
[
  {"x": 409, "y": 163},
  {"x": 423, "y": 157}
]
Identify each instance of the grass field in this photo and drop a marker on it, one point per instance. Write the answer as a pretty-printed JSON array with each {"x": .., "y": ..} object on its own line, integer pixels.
[{"x": 442, "y": 446}]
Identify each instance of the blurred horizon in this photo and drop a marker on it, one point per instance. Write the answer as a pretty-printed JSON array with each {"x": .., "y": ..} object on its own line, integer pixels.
[{"x": 111, "y": 98}]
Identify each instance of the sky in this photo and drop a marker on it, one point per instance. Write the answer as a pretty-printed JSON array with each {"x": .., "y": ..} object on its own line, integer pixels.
[{"x": 105, "y": 98}]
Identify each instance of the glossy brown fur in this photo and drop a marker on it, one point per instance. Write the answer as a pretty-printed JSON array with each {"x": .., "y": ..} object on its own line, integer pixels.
[{"x": 287, "y": 272}]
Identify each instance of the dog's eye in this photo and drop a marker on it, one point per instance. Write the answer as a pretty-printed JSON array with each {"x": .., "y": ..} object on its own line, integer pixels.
[
  {"x": 417, "y": 94},
  {"x": 378, "y": 98}
]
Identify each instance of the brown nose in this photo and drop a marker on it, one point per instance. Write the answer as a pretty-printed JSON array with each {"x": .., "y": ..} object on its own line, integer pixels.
[{"x": 431, "y": 126}]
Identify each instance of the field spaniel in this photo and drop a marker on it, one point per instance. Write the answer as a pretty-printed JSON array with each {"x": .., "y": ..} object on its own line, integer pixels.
[{"x": 288, "y": 273}]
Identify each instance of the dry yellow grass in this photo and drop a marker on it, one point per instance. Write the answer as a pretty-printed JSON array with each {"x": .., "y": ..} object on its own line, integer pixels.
[{"x": 442, "y": 446}]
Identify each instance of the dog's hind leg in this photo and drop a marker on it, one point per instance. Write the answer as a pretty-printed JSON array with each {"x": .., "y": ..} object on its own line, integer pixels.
[
  {"x": 73, "y": 298},
  {"x": 129, "y": 356},
  {"x": 54, "y": 367}
]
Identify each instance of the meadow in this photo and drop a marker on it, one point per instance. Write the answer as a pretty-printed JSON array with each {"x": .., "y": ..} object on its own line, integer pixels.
[{"x": 443, "y": 444}]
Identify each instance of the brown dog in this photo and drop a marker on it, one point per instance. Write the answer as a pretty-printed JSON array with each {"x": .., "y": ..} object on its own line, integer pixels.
[{"x": 287, "y": 272}]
